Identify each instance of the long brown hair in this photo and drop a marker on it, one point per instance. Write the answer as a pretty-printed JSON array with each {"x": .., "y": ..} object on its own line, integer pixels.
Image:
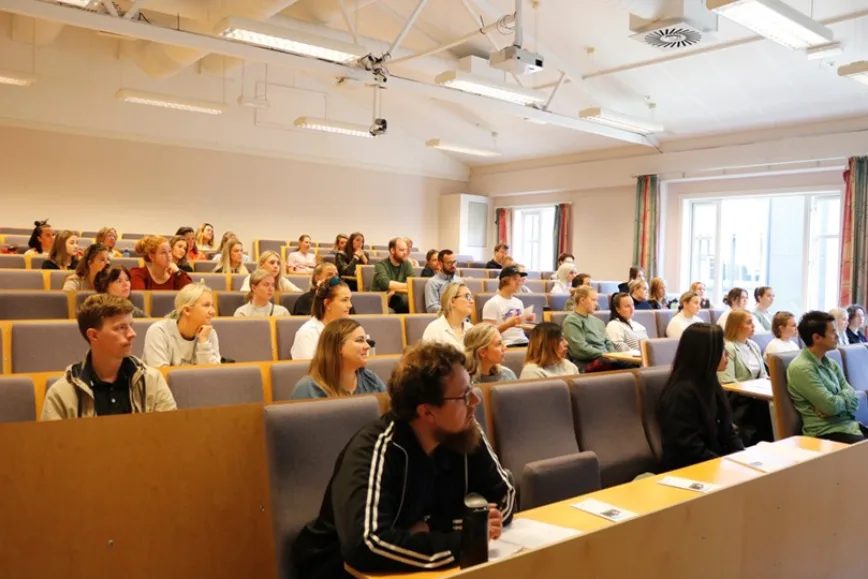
[
  {"x": 58, "y": 252},
  {"x": 82, "y": 270},
  {"x": 348, "y": 248},
  {"x": 325, "y": 367},
  {"x": 542, "y": 349},
  {"x": 734, "y": 321},
  {"x": 225, "y": 265}
]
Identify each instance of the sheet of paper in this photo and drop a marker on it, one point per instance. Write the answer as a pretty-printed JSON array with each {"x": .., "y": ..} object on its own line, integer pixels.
[
  {"x": 760, "y": 459},
  {"x": 636, "y": 353},
  {"x": 605, "y": 510},
  {"x": 498, "y": 550},
  {"x": 527, "y": 534},
  {"x": 793, "y": 453},
  {"x": 688, "y": 485}
]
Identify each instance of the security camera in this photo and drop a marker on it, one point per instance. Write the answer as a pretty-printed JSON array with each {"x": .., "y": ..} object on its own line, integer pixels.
[{"x": 379, "y": 127}]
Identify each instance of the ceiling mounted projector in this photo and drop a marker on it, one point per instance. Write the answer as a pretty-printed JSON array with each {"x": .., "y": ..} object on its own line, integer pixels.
[{"x": 516, "y": 60}]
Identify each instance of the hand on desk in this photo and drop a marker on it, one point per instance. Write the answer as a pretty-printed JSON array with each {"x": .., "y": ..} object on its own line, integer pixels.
[{"x": 495, "y": 522}]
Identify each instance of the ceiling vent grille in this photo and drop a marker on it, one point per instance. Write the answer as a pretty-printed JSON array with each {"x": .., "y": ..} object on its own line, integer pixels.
[
  {"x": 688, "y": 24},
  {"x": 673, "y": 37}
]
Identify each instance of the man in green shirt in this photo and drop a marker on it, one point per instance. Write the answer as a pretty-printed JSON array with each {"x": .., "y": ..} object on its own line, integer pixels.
[
  {"x": 586, "y": 334},
  {"x": 818, "y": 389},
  {"x": 390, "y": 275}
]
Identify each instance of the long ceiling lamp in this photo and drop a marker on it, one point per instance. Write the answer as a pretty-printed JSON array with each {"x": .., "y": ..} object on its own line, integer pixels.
[
  {"x": 170, "y": 102},
  {"x": 775, "y": 20},
  {"x": 16, "y": 78},
  {"x": 334, "y": 127},
  {"x": 467, "y": 82},
  {"x": 619, "y": 121},
  {"x": 857, "y": 71},
  {"x": 459, "y": 148}
]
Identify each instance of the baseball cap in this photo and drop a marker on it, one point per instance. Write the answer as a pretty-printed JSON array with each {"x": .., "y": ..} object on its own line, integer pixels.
[{"x": 510, "y": 271}]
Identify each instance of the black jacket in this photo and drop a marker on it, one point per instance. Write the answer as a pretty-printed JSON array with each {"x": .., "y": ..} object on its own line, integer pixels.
[
  {"x": 693, "y": 431},
  {"x": 383, "y": 484},
  {"x": 855, "y": 337}
]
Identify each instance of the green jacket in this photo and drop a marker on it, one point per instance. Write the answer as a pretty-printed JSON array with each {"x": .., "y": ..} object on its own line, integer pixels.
[
  {"x": 821, "y": 394},
  {"x": 736, "y": 368},
  {"x": 384, "y": 272},
  {"x": 586, "y": 338}
]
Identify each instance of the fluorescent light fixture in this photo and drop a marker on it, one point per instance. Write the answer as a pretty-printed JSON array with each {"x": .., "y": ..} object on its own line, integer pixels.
[
  {"x": 466, "y": 82},
  {"x": 16, "y": 78},
  {"x": 79, "y": 3},
  {"x": 458, "y": 148},
  {"x": 619, "y": 121},
  {"x": 336, "y": 127},
  {"x": 170, "y": 102},
  {"x": 822, "y": 51},
  {"x": 293, "y": 41},
  {"x": 858, "y": 71},
  {"x": 775, "y": 20}
]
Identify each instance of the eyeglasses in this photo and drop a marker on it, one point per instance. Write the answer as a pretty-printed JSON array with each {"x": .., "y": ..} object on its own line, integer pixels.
[{"x": 468, "y": 396}]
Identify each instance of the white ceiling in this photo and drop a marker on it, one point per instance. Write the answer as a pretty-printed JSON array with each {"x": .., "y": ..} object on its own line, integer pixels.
[{"x": 731, "y": 82}]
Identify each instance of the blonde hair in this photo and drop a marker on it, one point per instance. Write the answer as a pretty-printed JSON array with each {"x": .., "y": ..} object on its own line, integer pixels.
[
  {"x": 839, "y": 314},
  {"x": 255, "y": 279},
  {"x": 200, "y": 236},
  {"x": 150, "y": 244},
  {"x": 449, "y": 292},
  {"x": 657, "y": 284},
  {"x": 734, "y": 321},
  {"x": 225, "y": 265},
  {"x": 582, "y": 292},
  {"x": 188, "y": 297},
  {"x": 325, "y": 367},
  {"x": 686, "y": 297},
  {"x": 103, "y": 233},
  {"x": 635, "y": 284},
  {"x": 476, "y": 338}
]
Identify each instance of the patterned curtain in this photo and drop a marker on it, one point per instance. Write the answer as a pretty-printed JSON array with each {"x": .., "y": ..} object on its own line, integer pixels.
[
  {"x": 562, "y": 240},
  {"x": 646, "y": 232},
  {"x": 503, "y": 220},
  {"x": 854, "y": 234}
]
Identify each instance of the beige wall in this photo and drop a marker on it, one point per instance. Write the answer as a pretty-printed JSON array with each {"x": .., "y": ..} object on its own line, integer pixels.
[{"x": 87, "y": 182}]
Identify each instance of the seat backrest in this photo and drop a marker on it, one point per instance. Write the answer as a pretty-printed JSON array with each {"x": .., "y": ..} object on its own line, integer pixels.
[
  {"x": 607, "y": 422},
  {"x": 162, "y": 303},
  {"x": 536, "y": 286},
  {"x": 33, "y": 305},
  {"x": 136, "y": 298},
  {"x": 367, "y": 276},
  {"x": 302, "y": 282},
  {"x": 269, "y": 245},
  {"x": 539, "y": 301},
  {"x": 303, "y": 442},
  {"x": 17, "y": 399},
  {"x": 215, "y": 281},
  {"x": 141, "y": 325},
  {"x": 383, "y": 366},
  {"x": 532, "y": 421},
  {"x": 127, "y": 262},
  {"x": 370, "y": 303},
  {"x": 219, "y": 386},
  {"x": 56, "y": 278},
  {"x": 715, "y": 315},
  {"x": 417, "y": 304},
  {"x": 15, "y": 231},
  {"x": 19, "y": 240},
  {"x": 663, "y": 317},
  {"x": 557, "y": 302},
  {"x": 46, "y": 346},
  {"x": 607, "y": 287},
  {"x": 415, "y": 325},
  {"x": 386, "y": 331},
  {"x": 762, "y": 340},
  {"x": 228, "y": 302},
  {"x": 490, "y": 285},
  {"x": 513, "y": 359},
  {"x": 788, "y": 422},
  {"x": 475, "y": 273},
  {"x": 286, "y": 329},
  {"x": 856, "y": 365},
  {"x": 284, "y": 377},
  {"x": 11, "y": 261},
  {"x": 836, "y": 356},
  {"x": 288, "y": 300},
  {"x": 11, "y": 279},
  {"x": 203, "y": 266},
  {"x": 705, "y": 315},
  {"x": 659, "y": 352},
  {"x": 651, "y": 382},
  {"x": 126, "y": 235},
  {"x": 648, "y": 319},
  {"x": 236, "y": 280},
  {"x": 602, "y": 315},
  {"x": 244, "y": 339},
  {"x": 474, "y": 285}
]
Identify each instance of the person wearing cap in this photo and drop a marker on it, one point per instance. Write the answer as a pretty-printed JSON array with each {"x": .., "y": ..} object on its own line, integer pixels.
[{"x": 506, "y": 311}]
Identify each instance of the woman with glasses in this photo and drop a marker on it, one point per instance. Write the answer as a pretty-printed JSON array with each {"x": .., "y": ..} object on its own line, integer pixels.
[
  {"x": 108, "y": 236},
  {"x": 339, "y": 365},
  {"x": 456, "y": 304},
  {"x": 333, "y": 301}
]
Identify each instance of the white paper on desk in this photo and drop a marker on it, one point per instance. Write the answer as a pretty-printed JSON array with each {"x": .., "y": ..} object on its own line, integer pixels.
[
  {"x": 688, "y": 485},
  {"x": 527, "y": 534},
  {"x": 526, "y": 313},
  {"x": 793, "y": 453},
  {"x": 604, "y": 510},
  {"x": 760, "y": 459},
  {"x": 636, "y": 353}
]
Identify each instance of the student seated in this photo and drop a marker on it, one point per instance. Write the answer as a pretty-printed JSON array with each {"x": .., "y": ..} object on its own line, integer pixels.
[
  {"x": 189, "y": 234},
  {"x": 115, "y": 280},
  {"x": 340, "y": 243},
  {"x": 270, "y": 261},
  {"x": 546, "y": 354},
  {"x": 564, "y": 277},
  {"x": 484, "y": 351},
  {"x": 690, "y": 303},
  {"x": 499, "y": 260},
  {"x": 693, "y": 411},
  {"x": 856, "y": 324},
  {"x": 108, "y": 236},
  {"x": 339, "y": 365},
  {"x": 506, "y": 311},
  {"x": 698, "y": 288},
  {"x": 586, "y": 335},
  {"x": 259, "y": 298},
  {"x": 636, "y": 273},
  {"x": 231, "y": 258},
  {"x": 41, "y": 239},
  {"x": 445, "y": 276},
  {"x": 735, "y": 299},
  {"x": 638, "y": 291},
  {"x": 450, "y": 327},
  {"x": 785, "y": 331},
  {"x": 333, "y": 300},
  {"x": 817, "y": 387},
  {"x": 765, "y": 297},
  {"x": 304, "y": 303},
  {"x": 353, "y": 255},
  {"x": 432, "y": 264},
  {"x": 206, "y": 238},
  {"x": 185, "y": 337},
  {"x": 622, "y": 330},
  {"x": 303, "y": 260},
  {"x": 64, "y": 252},
  {"x": 657, "y": 294},
  {"x": 390, "y": 275},
  {"x": 95, "y": 258},
  {"x": 582, "y": 279},
  {"x": 159, "y": 272},
  {"x": 180, "y": 253},
  {"x": 841, "y": 322},
  {"x": 110, "y": 380},
  {"x": 425, "y": 455},
  {"x": 562, "y": 259}
]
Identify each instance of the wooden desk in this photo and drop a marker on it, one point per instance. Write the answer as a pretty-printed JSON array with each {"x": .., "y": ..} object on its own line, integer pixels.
[
  {"x": 624, "y": 357},
  {"x": 761, "y": 389},
  {"x": 643, "y": 497}
]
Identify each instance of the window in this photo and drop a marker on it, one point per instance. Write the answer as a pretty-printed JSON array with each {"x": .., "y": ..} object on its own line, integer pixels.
[
  {"x": 533, "y": 244},
  {"x": 789, "y": 242}
]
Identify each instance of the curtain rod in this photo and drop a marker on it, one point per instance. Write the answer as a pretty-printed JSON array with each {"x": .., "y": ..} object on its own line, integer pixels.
[{"x": 532, "y": 206}]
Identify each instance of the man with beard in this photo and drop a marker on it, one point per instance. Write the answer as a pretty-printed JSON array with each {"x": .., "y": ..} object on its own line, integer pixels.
[{"x": 396, "y": 498}]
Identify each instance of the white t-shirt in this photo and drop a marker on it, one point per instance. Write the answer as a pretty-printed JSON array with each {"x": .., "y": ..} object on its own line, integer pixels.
[
  {"x": 301, "y": 262},
  {"x": 778, "y": 346},
  {"x": 562, "y": 368},
  {"x": 499, "y": 309},
  {"x": 679, "y": 323},
  {"x": 306, "y": 339},
  {"x": 440, "y": 331}
]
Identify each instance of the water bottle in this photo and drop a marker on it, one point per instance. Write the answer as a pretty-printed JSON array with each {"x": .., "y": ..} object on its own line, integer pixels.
[
  {"x": 474, "y": 531},
  {"x": 126, "y": 253},
  {"x": 373, "y": 346}
]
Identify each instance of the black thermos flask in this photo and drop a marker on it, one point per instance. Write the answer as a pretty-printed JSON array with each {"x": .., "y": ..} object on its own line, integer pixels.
[{"x": 474, "y": 531}]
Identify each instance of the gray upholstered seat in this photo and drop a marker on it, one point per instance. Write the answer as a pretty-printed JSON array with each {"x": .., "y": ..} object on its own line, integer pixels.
[
  {"x": 383, "y": 366},
  {"x": 386, "y": 331},
  {"x": 836, "y": 356},
  {"x": 648, "y": 319},
  {"x": 12, "y": 261},
  {"x": 17, "y": 400},
  {"x": 33, "y": 305},
  {"x": 651, "y": 382},
  {"x": 660, "y": 351},
  {"x": 217, "y": 386},
  {"x": 558, "y": 317},
  {"x": 162, "y": 303},
  {"x": 269, "y": 245},
  {"x": 203, "y": 266},
  {"x": 513, "y": 359},
  {"x": 137, "y": 299},
  {"x": 607, "y": 421},
  {"x": 788, "y": 422},
  {"x": 370, "y": 302},
  {"x": 663, "y": 317},
  {"x": 762, "y": 340},
  {"x": 415, "y": 325},
  {"x": 46, "y": 346},
  {"x": 284, "y": 377},
  {"x": 244, "y": 339},
  {"x": 476, "y": 273},
  {"x": 127, "y": 262},
  {"x": 12, "y": 279},
  {"x": 607, "y": 287},
  {"x": 228, "y": 302},
  {"x": 56, "y": 278},
  {"x": 286, "y": 329},
  {"x": 856, "y": 365},
  {"x": 715, "y": 315},
  {"x": 367, "y": 276},
  {"x": 288, "y": 300},
  {"x": 416, "y": 285},
  {"x": 215, "y": 281},
  {"x": 557, "y": 302}
]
